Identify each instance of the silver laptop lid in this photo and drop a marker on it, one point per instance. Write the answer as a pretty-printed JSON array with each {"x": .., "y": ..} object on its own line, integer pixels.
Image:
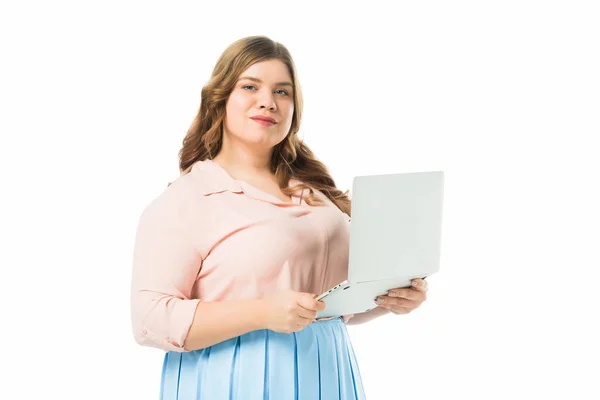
[{"x": 396, "y": 225}]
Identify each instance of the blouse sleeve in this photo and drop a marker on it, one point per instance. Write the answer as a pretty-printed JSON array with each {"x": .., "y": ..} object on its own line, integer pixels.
[{"x": 165, "y": 266}]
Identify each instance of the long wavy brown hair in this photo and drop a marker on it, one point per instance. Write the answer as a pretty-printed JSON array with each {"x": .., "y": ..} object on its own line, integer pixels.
[{"x": 291, "y": 158}]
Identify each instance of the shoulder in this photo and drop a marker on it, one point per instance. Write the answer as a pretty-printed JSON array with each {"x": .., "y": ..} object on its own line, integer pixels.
[{"x": 177, "y": 200}]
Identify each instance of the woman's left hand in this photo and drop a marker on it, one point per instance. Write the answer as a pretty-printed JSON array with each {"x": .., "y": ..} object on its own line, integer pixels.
[{"x": 404, "y": 300}]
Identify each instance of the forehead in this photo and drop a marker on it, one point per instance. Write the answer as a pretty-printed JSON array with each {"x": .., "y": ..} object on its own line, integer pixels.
[{"x": 270, "y": 71}]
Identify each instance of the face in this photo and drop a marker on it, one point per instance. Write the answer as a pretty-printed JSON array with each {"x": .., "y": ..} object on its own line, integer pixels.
[{"x": 263, "y": 90}]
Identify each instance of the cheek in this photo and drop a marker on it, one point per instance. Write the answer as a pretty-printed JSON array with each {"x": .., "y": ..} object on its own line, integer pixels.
[
  {"x": 289, "y": 115},
  {"x": 235, "y": 111},
  {"x": 235, "y": 105},
  {"x": 290, "y": 109}
]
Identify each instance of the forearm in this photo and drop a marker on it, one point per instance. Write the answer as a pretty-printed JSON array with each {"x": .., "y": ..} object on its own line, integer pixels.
[
  {"x": 215, "y": 322},
  {"x": 368, "y": 316}
]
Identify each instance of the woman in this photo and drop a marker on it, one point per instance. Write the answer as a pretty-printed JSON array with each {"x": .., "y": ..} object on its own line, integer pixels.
[{"x": 229, "y": 258}]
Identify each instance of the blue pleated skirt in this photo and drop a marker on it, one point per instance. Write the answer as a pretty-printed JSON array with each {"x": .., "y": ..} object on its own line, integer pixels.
[{"x": 315, "y": 363}]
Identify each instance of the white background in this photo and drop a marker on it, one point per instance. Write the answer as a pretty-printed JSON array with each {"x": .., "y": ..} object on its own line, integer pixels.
[{"x": 504, "y": 97}]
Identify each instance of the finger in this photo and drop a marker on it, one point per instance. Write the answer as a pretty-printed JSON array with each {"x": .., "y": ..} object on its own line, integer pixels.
[
  {"x": 304, "y": 313},
  {"x": 394, "y": 302},
  {"x": 419, "y": 284},
  {"x": 307, "y": 301},
  {"x": 401, "y": 310},
  {"x": 304, "y": 322},
  {"x": 410, "y": 294},
  {"x": 397, "y": 306},
  {"x": 321, "y": 306}
]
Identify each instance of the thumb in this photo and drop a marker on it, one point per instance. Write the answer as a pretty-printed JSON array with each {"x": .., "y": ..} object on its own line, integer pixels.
[
  {"x": 321, "y": 306},
  {"x": 307, "y": 300},
  {"x": 320, "y": 303}
]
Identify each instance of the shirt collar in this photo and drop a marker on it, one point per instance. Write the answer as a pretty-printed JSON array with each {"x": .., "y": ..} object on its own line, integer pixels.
[{"x": 215, "y": 180}]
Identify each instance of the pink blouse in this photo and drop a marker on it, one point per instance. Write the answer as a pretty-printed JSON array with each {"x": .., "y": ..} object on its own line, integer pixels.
[{"x": 208, "y": 237}]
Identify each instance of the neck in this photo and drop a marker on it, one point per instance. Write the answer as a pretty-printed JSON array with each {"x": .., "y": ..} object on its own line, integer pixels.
[{"x": 240, "y": 161}]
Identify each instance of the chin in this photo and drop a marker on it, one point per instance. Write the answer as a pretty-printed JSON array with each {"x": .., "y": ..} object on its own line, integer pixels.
[{"x": 260, "y": 139}]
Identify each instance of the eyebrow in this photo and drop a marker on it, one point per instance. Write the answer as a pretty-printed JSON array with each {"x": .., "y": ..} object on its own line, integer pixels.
[{"x": 259, "y": 81}]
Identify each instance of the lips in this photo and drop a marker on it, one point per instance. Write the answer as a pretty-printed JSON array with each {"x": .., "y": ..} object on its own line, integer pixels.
[{"x": 264, "y": 119}]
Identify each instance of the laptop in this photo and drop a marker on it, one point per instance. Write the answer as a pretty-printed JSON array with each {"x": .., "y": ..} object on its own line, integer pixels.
[{"x": 395, "y": 236}]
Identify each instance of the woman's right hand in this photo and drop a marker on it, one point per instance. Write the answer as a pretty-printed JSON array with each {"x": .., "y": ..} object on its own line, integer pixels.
[{"x": 289, "y": 311}]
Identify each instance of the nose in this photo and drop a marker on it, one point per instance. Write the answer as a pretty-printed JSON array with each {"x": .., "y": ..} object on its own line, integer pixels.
[{"x": 267, "y": 101}]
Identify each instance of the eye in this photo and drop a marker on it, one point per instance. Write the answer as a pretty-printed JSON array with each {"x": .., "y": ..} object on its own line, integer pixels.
[
  {"x": 248, "y": 86},
  {"x": 283, "y": 92}
]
